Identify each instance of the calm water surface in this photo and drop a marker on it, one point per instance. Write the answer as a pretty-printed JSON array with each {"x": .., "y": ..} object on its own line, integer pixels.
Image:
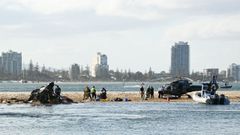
[
  {"x": 112, "y": 86},
  {"x": 120, "y": 119}
]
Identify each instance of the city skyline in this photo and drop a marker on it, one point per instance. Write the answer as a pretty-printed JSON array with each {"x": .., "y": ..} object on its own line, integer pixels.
[
  {"x": 11, "y": 68},
  {"x": 96, "y": 60},
  {"x": 134, "y": 34},
  {"x": 25, "y": 64}
]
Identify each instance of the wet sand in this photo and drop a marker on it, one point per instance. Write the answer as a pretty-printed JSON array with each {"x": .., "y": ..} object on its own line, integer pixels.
[{"x": 21, "y": 97}]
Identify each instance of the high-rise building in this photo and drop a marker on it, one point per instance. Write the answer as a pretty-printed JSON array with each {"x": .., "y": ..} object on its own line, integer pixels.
[
  {"x": 11, "y": 63},
  {"x": 180, "y": 59},
  {"x": 74, "y": 72},
  {"x": 210, "y": 72},
  {"x": 223, "y": 73},
  {"x": 1, "y": 66},
  {"x": 234, "y": 72},
  {"x": 100, "y": 66}
]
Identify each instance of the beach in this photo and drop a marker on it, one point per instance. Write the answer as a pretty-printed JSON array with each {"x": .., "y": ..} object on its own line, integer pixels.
[{"x": 21, "y": 97}]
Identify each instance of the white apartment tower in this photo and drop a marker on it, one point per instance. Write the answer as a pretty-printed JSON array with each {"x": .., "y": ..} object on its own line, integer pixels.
[
  {"x": 100, "y": 66},
  {"x": 11, "y": 63},
  {"x": 180, "y": 59}
]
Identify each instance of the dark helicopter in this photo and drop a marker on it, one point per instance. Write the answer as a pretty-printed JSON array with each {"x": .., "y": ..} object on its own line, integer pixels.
[{"x": 179, "y": 87}]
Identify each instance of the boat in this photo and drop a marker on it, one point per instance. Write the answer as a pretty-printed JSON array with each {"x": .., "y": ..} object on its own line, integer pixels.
[
  {"x": 132, "y": 86},
  {"x": 23, "y": 81},
  {"x": 211, "y": 98},
  {"x": 226, "y": 86}
]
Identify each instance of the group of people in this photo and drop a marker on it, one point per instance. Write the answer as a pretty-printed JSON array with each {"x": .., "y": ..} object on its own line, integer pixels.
[
  {"x": 149, "y": 92},
  {"x": 92, "y": 94},
  {"x": 89, "y": 93}
]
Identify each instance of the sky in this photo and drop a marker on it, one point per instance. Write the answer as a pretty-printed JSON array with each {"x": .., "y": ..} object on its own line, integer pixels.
[{"x": 135, "y": 34}]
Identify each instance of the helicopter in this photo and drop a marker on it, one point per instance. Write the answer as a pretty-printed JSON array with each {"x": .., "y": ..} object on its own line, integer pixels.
[{"x": 179, "y": 87}]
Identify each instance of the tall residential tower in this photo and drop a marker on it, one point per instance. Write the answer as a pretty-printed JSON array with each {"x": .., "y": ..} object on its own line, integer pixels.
[
  {"x": 100, "y": 66},
  {"x": 234, "y": 72},
  {"x": 74, "y": 72},
  {"x": 11, "y": 63},
  {"x": 180, "y": 59}
]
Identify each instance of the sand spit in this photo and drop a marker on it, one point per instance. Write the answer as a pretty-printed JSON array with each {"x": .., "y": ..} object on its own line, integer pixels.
[{"x": 21, "y": 97}]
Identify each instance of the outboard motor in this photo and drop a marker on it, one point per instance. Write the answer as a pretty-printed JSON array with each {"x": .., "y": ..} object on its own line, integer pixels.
[
  {"x": 216, "y": 99},
  {"x": 222, "y": 99}
]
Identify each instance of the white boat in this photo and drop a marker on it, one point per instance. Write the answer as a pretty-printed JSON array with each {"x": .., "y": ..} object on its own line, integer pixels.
[
  {"x": 23, "y": 81},
  {"x": 226, "y": 86},
  {"x": 207, "y": 97},
  {"x": 132, "y": 86}
]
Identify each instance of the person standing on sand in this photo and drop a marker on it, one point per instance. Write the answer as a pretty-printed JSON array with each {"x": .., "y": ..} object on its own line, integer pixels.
[
  {"x": 93, "y": 93},
  {"x": 152, "y": 92},
  {"x": 86, "y": 93},
  {"x": 148, "y": 93},
  {"x": 160, "y": 92},
  {"x": 142, "y": 92}
]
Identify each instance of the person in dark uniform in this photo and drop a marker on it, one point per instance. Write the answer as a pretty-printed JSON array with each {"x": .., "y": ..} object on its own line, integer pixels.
[
  {"x": 142, "y": 92},
  {"x": 213, "y": 85},
  {"x": 103, "y": 94},
  {"x": 160, "y": 92},
  {"x": 152, "y": 92},
  {"x": 148, "y": 93},
  {"x": 57, "y": 90}
]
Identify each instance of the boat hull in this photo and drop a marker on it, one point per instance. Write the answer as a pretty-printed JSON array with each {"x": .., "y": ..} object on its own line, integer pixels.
[
  {"x": 226, "y": 87},
  {"x": 211, "y": 100}
]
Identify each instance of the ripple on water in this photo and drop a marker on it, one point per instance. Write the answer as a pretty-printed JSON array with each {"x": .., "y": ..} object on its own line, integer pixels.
[{"x": 120, "y": 118}]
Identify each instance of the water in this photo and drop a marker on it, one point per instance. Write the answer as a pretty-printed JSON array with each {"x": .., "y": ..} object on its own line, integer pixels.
[
  {"x": 112, "y": 86},
  {"x": 115, "y": 118},
  {"x": 120, "y": 119}
]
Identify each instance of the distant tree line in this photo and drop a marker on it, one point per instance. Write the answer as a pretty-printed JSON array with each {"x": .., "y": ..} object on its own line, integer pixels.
[
  {"x": 34, "y": 73},
  {"x": 37, "y": 74},
  {"x": 127, "y": 75}
]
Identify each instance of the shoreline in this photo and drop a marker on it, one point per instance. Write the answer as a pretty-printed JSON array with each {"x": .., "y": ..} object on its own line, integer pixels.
[{"x": 21, "y": 97}]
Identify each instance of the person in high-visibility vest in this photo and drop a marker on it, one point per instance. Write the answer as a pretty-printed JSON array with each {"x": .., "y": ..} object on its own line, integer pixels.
[{"x": 93, "y": 93}]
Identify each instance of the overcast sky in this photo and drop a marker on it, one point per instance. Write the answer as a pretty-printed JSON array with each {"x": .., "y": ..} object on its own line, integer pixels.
[{"x": 135, "y": 34}]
